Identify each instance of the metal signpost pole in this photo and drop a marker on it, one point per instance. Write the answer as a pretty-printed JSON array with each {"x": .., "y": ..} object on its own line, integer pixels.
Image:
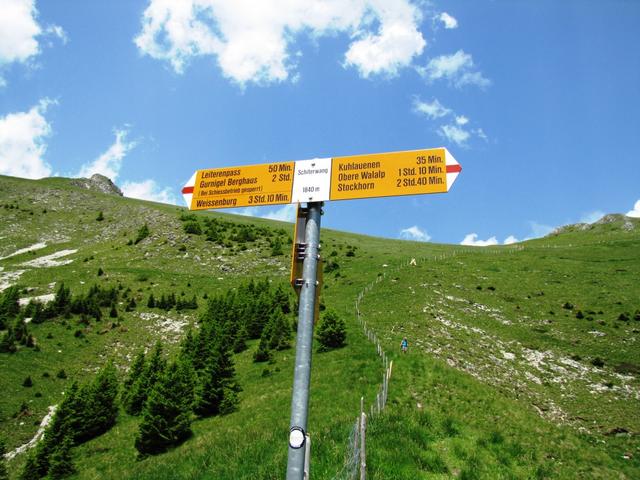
[{"x": 304, "y": 343}]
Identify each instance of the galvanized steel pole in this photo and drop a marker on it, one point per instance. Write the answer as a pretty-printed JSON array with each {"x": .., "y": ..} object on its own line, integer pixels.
[{"x": 304, "y": 344}]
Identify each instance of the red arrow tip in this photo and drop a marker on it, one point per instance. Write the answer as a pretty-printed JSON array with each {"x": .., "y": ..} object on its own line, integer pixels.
[
  {"x": 456, "y": 168},
  {"x": 187, "y": 189}
]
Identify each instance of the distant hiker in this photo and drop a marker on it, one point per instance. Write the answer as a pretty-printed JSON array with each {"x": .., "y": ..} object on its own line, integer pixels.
[{"x": 404, "y": 344}]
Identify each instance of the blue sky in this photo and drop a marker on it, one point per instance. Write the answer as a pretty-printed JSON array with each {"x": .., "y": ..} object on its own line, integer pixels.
[{"x": 539, "y": 101}]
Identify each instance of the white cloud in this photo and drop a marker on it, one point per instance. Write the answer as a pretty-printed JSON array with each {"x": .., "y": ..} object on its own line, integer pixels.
[
  {"x": 457, "y": 68},
  {"x": 148, "y": 190},
  {"x": 19, "y": 32},
  {"x": 110, "y": 162},
  {"x": 510, "y": 240},
  {"x": 395, "y": 43},
  {"x": 432, "y": 110},
  {"x": 287, "y": 213},
  {"x": 252, "y": 40},
  {"x": 539, "y": 229},
  {"x": 58, "y": 31},
  {"x": 414, "y": 233},
  {"x": 23, "y": 142},
  {"x": 472, "y": 240},
  {"x": 454, "y": 134},
  {"x": 447, "y": 20},
  {"x": 592, "y": 217},
  {"x": 636, "y": 210}
]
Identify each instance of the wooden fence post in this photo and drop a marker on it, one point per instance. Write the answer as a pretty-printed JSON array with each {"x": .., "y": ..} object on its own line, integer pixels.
[{"x": 363, "y": 443}]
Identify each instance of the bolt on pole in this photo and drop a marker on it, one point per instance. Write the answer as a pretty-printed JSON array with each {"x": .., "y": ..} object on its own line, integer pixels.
[{"x": 304, "y": 345}]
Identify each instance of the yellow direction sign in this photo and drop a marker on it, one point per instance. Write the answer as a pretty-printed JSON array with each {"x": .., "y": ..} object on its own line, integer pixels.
[
  {"x": 246, "y": 186},
  {"x": 413, "y": 172},
  {"x": 390, "y": 174}
]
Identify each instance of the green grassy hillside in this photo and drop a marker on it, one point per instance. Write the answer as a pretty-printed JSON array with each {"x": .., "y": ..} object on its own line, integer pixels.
[{"x": 523, "y": 360}]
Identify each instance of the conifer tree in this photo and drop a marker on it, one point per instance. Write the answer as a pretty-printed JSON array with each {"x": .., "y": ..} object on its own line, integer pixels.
[
  {"x": 30, "y": 470},
  {"x": 166, "y": 418},
  {"x": 9, "y": 306},
  {"x": 61, "y": 304},
  {"x": 188, "y": 347},
  {"x": 36, "y": 312},
  {"x": 64, "y": 423},
  {"x": 143, "y": 233},
  {"x": 276, "y": 247},
  {"x": 240, "y": 343},
  {"x": 61, "y": 462},
  {"x": 217, "y": 375},
  {"x": 113, "y": 313},
  {"x": 281, "y": 299},
  {"x": 137, "y": 367},
  {"x": 140, "y": 390},
  {"x": 152, "y": 302},
  {"x": 8, "y": 342},
  {"x": 263, "y": 353},
  {"x": 279, "y": 331},
  {"x": 100, "y": 408},
  {"x": 20, "y": 332},
  {"x": 332, "y": 332}
]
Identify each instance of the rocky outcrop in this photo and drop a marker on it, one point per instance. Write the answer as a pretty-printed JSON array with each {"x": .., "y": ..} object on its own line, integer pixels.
[
  {"x": 611, "y": 221},
  {"x": 98, "y": 183}
]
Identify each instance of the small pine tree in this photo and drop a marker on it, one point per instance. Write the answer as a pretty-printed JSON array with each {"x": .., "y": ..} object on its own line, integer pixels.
[
  {"x": 217, "y": 375},
  {"x": 142, "y": 234},
  {"x": 280, "y": 331},
  {"x": 9, "y": 305},
  {"x": 281, "y": 299},
  {"x": 141, "y": 389},
  {"x": 263, "y": 353},
  {"x": 137, "y": 367},
  {"x": 131, "y": 305},
  {"x": 193, "y": 227},
  {"x": 113, "y": 313},
  {"x": 151, "y": 303},
  {"x": 100, "y": 408},
  {"x": 8, "y": 342},
  {"x": 332, "y": 332},
  {"x": 30, "y": 471},
  {"x": 20, "y": 331},
  {"x": 100, "y": 216},
  {"x": 240, "y": 343},
  {"x": 61, "y": 462},
  {"x": 61, "y": 304},
  {"x": 100, "y": 271},
  {"x": 276, "y": 247},
  {"x": 166, "y": 418},
  {"x": 27, "y": 382}
]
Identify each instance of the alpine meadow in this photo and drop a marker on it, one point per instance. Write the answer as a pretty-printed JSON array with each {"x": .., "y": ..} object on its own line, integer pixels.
[{"x": 146, "y": 341}]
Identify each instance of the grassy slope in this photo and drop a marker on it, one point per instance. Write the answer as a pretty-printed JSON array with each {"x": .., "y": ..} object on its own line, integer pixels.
[{"x": 441, "y": 422}]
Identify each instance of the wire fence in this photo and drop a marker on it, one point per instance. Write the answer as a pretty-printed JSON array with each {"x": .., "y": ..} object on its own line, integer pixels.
[{"x": 355, "y": 465}]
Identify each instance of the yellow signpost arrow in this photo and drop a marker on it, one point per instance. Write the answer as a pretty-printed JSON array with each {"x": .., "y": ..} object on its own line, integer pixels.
[{"x": 412, "y": 172}]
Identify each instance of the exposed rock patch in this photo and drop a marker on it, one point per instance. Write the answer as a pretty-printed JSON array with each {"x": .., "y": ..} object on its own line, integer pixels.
[{"x": 98, "y": 183}]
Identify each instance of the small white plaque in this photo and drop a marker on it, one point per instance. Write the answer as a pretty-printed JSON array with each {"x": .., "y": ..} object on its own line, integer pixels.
[{"x": 312, "y": 180}]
